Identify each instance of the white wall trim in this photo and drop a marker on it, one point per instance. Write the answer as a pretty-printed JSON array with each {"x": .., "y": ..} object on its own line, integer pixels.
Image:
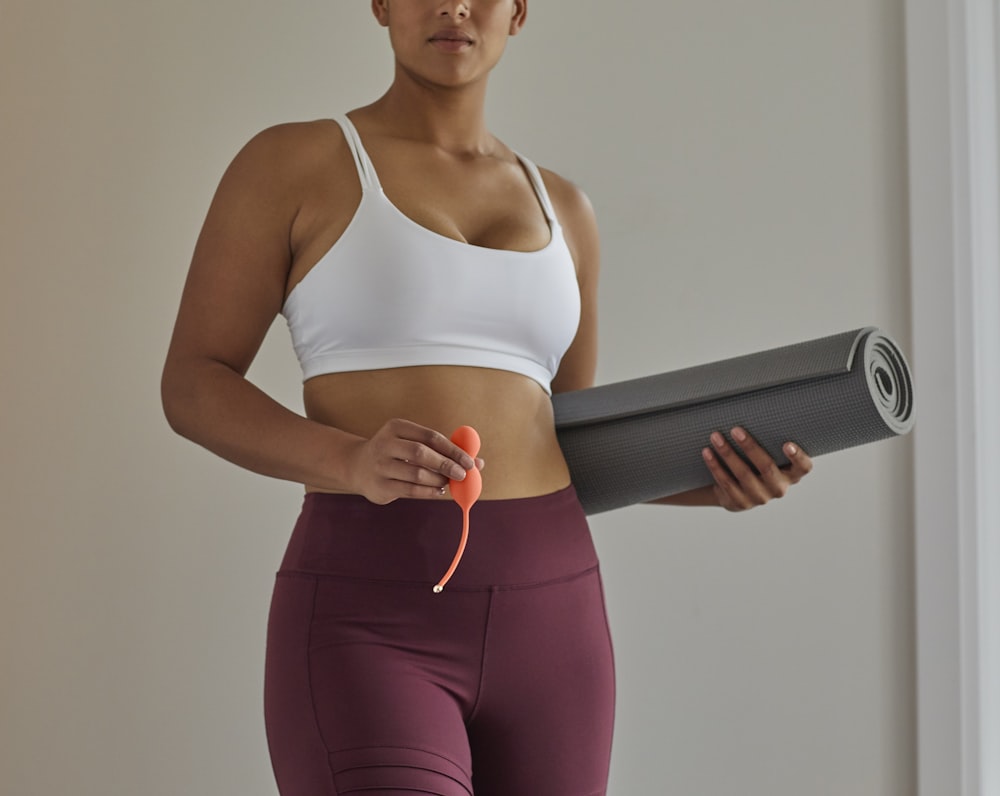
[{"x": 954, "y": 148}]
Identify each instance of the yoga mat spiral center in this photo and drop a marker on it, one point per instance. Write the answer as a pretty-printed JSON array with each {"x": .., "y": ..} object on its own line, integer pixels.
[
  {"x": 889, "y": 378},
  {"x": 884, "y": 383}
]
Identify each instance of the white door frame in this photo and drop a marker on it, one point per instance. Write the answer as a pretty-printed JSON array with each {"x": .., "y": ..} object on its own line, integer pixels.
[{"x": 954, "y": 149}]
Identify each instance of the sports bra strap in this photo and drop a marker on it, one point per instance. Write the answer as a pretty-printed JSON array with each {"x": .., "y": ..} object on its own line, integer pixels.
[
  {"x": 366, "y": 171},
  {"x": 539, "y": 186},
  {"x": 369, "y": 178}
]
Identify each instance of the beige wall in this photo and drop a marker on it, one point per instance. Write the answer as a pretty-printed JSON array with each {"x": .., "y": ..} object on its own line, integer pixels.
[{"x": 747, "y": 162}]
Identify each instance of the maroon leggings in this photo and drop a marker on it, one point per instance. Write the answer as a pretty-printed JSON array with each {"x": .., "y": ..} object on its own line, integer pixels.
[{"x": 502, "y": 685}]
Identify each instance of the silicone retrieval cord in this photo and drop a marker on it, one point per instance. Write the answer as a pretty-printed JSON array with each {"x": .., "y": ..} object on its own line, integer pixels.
[{"x": 464, "y": 493}]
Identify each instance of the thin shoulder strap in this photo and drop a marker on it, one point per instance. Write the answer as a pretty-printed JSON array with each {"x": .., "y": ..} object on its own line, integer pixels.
[
  {"x": 366, "y": 171},
  {"x": 539, "y": 186}
]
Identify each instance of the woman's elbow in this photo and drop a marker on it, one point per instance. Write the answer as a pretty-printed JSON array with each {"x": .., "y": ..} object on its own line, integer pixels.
[{"x": 175, "y": 399}]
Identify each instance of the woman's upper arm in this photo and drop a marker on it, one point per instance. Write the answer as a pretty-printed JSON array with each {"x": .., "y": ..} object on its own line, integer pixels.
[
  {"x": 578, "y": 367},
  {"x": 236, "y": 281}
]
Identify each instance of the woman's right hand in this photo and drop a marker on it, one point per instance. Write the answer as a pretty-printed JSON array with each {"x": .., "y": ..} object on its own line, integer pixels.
[{"x": 404, "y": 459}]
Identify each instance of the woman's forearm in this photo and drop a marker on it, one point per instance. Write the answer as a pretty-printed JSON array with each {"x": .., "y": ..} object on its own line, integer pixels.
[
  {"x": 702, "y": 496},
  {"x": 211, "y": 404}
]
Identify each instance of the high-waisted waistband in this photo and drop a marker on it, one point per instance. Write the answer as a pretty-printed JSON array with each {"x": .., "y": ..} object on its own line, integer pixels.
[{"x": 516, "y": 542}]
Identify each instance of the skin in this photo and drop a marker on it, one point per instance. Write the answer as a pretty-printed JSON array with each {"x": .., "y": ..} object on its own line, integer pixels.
[{"x": 289, "y": 195}]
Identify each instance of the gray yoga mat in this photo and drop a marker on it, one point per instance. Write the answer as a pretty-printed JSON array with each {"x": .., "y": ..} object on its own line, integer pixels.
[{"x": 641, "y": 439}]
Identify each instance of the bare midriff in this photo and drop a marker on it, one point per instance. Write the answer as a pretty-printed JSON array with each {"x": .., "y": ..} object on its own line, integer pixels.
[{"x": 511, "y": 412}]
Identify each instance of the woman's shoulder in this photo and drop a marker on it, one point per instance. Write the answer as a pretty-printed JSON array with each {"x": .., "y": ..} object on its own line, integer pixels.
[
  {"x": 294, "y": 149},
  {"x": 283, "y": 167},
  {"x": 571, "y": 203}
]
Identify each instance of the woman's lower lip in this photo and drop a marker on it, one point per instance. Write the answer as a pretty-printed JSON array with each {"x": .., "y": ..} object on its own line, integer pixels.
[{"x": 451, "y": 45}]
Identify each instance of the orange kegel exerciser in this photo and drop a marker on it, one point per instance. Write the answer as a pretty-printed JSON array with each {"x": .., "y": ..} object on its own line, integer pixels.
[{"x": 464, "y": 493}]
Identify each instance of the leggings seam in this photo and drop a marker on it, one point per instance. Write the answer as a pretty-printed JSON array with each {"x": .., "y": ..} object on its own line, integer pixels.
[
  {"x": 396, "y": 746},
  {"x": 482, "y": 665},
  {"x": 614, "y": 674},
  {"x": 312, "y": 696},
  {"x": 384, "y": 766},
  {"x": 539, "y": 584},
  {"x": 432, "y": 753}
]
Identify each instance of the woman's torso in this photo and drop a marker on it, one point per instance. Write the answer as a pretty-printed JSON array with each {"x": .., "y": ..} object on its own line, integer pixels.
[{"x": 483, "y": 201}]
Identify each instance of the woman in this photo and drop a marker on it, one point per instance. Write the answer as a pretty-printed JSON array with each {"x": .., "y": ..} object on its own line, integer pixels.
[{"x": 431, "y": 278}]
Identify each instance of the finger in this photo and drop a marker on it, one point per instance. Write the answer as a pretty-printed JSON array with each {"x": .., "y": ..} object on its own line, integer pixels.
[
  {"x": 411, "y": 490},
  {"x": 775, "y": 480},
  {"x": 800, "y": 463},
  {"x": 409, "y": 472},
  {"x": 420, "y": 456},
  {"x": 747, "y": 479},
  {"x": 732, "y": 495},
  {"x": 428, "y": 448},
  {"x": 387, "y": 489},
  {"x": 440, "y": 444}
]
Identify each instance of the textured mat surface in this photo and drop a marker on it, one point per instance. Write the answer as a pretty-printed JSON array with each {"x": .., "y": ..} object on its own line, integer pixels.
[{"x": 636, "y": 440}]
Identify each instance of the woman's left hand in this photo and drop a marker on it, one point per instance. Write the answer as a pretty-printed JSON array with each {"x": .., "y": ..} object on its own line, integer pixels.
[{"x": 737, "y": 487}]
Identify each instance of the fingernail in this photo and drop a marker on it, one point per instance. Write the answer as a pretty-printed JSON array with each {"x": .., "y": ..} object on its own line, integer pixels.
[
  {"x": 790, "y": 449},
  {"x": 706, "y": 454},
  {"x": 480, "y": 463},
  {"x": 457, "y": 474},
  {"x": 717, "y": 439},
  {"x": 739, "y": 435}
]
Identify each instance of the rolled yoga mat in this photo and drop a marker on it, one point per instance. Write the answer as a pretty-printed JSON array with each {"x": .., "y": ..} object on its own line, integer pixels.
[{"x": 641, "y": 439}]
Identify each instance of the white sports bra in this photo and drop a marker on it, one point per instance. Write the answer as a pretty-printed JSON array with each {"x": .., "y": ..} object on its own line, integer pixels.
[{"x": 391, "y": 293}]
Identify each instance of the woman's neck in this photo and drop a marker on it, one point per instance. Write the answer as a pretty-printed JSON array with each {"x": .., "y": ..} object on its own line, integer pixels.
[{"x": 452, "y": 119}]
